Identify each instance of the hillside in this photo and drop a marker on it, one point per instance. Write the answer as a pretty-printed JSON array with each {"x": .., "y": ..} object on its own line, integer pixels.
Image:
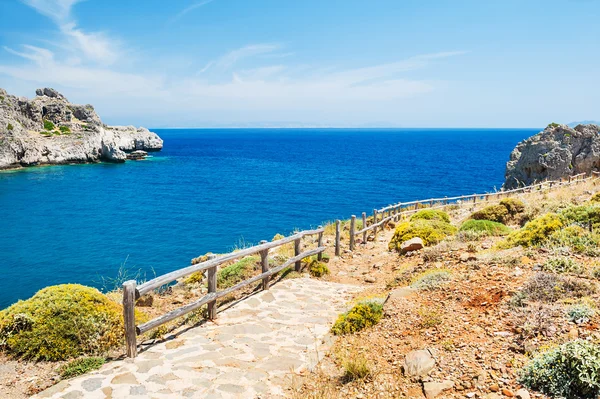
[{"x": 49, "y": 130}]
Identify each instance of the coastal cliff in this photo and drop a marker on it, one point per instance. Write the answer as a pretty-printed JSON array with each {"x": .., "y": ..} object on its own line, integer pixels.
[
  {"x": 49, "y": 130},
  {"x": 556, "y": 152}
]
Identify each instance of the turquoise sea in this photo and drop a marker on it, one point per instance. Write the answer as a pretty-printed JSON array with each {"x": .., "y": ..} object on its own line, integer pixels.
[{"x": 215, "y": 189}]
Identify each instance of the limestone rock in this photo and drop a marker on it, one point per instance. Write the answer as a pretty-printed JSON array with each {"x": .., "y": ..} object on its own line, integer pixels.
[
  {"x": 48, "y": 130},
  {"x": 522, "y": 394},
  {"x": 413, "y": 244},
  {"x": 557, "y": 152},
  {"x": 418, "y": 363},
  {"x": 433, "y": 389}
]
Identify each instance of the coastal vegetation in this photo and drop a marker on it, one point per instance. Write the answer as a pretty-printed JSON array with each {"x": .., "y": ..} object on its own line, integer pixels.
[
  {"x": 362, "y": 315},
  {"x": 431, "y": 231}
]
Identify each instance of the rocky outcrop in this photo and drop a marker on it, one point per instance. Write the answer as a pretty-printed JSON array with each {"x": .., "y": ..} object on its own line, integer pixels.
[
  {"x": 48, "y": 130},
  {"x": 557, "y": 152}
]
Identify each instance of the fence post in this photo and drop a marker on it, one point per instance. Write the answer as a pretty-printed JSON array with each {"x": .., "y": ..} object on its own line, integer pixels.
[
  {"x": 264, "y": 261},
  {"x": 474, "y": 198},
  {"x": 320, "y": 244},
  {"x": 212, "y": 287},
  {"x": 364, "y": 220},
  {"x": 374, "y": 223},
  {"x": 446, "y": 200},
  {"x": 129, "y": 317},
  {"x": 298, "y": 251},
  {"x": 337, "y": 238},
  {"x": 352, "y": 225}
]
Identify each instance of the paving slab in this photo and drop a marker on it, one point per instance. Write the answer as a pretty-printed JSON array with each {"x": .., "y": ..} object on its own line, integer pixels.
[{"x": 250, "y": 351}]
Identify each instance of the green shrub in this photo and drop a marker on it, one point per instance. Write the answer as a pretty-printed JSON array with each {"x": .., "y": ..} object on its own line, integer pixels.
[
  {"x": 431, "y": 214},
  {"x": 362, "y": 315},
  {"x": 318, "y": 269},
  {"x": 356, "y": 367},
  {"x": 534, "y": 232},
  {"x": 10, "y": 127},
  {"x": 595, "y": 198},
  {"x": 81, "y": 366},
  {"x": 495, "y": 213},
  {"x": 48, "y": 125},
  {"x": 64, "y": 129},
  {"x": 577, "y": 238},
  {"x": 431, "y": 279},
  {"x": 430, "y": 231},
  {"x": 278, "y": 237},
  {"x": 486, "y": 227},
  {"x": 569, "y": 371},
  {"x": 61, "y": 322},
  {"x": 580, "y": 313},
  {"x": 583, "y": 215},
  {"x": 552, "y": 125},
  {"x": 561, "y": 265},
  {"x": 237, "y": 272}
]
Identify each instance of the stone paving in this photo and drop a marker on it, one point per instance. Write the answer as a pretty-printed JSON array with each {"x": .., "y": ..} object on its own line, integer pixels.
[{"x": 253, "y": 350}]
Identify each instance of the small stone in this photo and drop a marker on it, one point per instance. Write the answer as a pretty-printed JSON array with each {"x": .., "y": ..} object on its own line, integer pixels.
[
  {"x": 494, "y": 388},
  {"x": 522, "y": 394},
  {"x": 433, "y": 389},
  {"x": 414, "y": 244},
  {"x": 507, "y": 392},
  {"x": 493, "y": 396},
  {"x": 370, "y": 279},
  {"x": 418, "y": 363}
]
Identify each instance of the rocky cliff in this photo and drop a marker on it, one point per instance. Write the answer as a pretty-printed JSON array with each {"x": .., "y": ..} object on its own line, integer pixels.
[
  {"x": 49, "y": 130},
  {"x": 556, "y": 152}
]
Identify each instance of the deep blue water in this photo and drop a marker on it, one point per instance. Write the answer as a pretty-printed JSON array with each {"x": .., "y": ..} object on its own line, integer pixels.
[{"x": 209, "y": 190}]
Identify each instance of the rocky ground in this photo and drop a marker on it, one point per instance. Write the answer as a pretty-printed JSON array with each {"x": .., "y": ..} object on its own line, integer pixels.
[
  {"x": 468, "y": 335},
  {"x": 49, "y": 130}
]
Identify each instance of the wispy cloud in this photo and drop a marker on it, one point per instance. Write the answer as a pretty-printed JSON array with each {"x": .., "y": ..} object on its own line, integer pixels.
[
  {"x": 230, "y": 59},
  {"x": 58, "y": 10},
  {"x": 191, "y": 7}
]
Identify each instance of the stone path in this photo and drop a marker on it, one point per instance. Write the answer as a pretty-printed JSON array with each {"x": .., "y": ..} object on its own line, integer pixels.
[{"x": 251, "y": 351}]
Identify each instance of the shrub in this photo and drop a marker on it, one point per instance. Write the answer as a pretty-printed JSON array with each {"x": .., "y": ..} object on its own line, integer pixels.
[
  {"x": 595, "y": 198},
  {"x": 431, "y": 279},
  {"x": 81, "y": 366},
  {"x": 318, "y": 269},
  {"x": 237, "y": 272},
  {"x": 577, "y": 238},
  {"x": 362, "y": 315},
  {"x": 61, "y": 322},
  {"x": 513, "y": 206},
  {"x": 10, "y": 127},
  {"x": 48, "y": 125},
  {"x": 485, "y": 227},
  {"x": 552, "y": 125},
  {"x": 65, "y": 129},
  {"x": 430, "y": 231},
  {"x": 495, "y": 213},
  {"x": 584, "y": 215},
  {"x": 561, "y": 265},
  {"x": 431, "y": 214},
  {"x": 356, "y": 367},
  {"x": 549, "y": 288},
  {"x": 569, "y": 371},
  {"x": 278, "y": 237},
  {"x": 580, "y": 313},
  {"x": 534, "y": 232}
]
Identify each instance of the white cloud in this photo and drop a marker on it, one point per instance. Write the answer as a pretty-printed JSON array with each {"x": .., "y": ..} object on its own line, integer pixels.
[
  {"x": 188, "y": 9},
  {"x": 233, "y": 57},
  {"x": 58, "y": 10}
]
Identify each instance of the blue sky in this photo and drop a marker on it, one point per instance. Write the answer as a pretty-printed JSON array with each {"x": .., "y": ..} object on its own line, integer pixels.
[{"x": 411, "y": 63}]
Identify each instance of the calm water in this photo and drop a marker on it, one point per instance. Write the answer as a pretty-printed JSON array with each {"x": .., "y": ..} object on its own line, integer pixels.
[{"x": 209, "y": 190}]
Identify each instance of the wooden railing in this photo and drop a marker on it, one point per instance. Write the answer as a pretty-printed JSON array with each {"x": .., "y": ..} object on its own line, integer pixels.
[
  {"x": 131, "y": 292},
  {"x": 383, "y": 216}
]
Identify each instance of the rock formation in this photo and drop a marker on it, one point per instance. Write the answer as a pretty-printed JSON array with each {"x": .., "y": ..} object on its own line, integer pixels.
[
  {"x": 49, "y": 130},
  {"x": 556, "y": 152}
]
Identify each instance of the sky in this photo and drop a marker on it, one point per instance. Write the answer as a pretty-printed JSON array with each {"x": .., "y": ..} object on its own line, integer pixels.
[{"x": 322, "y": 63}]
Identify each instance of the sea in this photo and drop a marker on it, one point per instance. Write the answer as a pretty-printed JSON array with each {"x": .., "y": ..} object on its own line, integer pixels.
[{"x": 214, "y": 190}]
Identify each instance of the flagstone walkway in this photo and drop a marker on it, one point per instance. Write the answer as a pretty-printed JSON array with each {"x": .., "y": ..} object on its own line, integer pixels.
[{"x": 252, "y": 350}]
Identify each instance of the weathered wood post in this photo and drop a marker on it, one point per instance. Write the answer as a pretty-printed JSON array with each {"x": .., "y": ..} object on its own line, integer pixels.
[
  {"x": 352, "y": 226},
  {"x": 474, "y": 198},
  {"x": 399, "y": 213},
  {"x": 264, "y": 261},
  {"x": 298, "y": 251},
  {"x": 129, "y": 298},
  {"x": 320, "y": 244},
  {"x": 374, "y": 223},
  {"x": 446, "y": 200},
  {"x": 337, "y": 238},
  {"x": 364, "y": 220},
  {"x": 212, "y": 288}
]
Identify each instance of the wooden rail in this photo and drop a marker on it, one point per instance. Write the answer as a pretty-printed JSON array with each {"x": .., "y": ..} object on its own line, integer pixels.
[
  {"x": 381, "y": 217},
  {"x": 131, "y": 292}
]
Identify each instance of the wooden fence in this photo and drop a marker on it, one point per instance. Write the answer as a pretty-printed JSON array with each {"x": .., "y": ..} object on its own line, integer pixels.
[
  {"x": 383, "y": 216},
  {"x": 132, "y": 292}
]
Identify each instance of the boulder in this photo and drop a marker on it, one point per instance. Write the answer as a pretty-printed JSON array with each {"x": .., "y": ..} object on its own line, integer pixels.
[
  {"x": 413, "y": 244},
  {"x": 418, "y": 363},
  {"x": 557, "y": 152}
]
